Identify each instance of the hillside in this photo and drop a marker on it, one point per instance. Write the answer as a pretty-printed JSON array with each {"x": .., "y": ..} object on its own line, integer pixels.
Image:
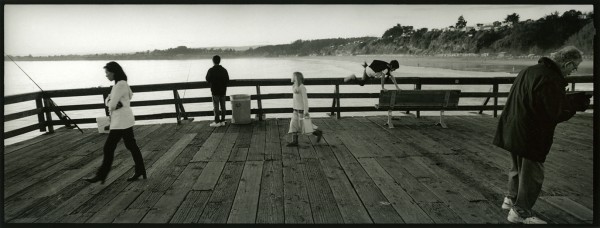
[{"x": 510, "y": 37}]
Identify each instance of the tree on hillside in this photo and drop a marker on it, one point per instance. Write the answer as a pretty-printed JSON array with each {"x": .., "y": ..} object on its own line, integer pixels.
[
  {"x": 393, "y": 32},
  {"x": 512, "y": 19},
  {"x": 496, "y": 23},
  {"x": 461, "y": 22}
]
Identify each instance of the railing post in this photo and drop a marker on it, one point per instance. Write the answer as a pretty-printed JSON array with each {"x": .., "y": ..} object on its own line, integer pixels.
[
  {"x": 337, "y": 97},
  {"x": 104, "y": 95},
  {"x": 495, "y": 91},
  {"x": 333, "y": 104},
  {"x": 573, "y": 86},
  {"x": 177, "y": 101},
  {"x": 259, "y": 102},
  {"x": 41, "y": 120},
  {"x": 47, "y": 108},
  {"x": 417, "y": 87}
]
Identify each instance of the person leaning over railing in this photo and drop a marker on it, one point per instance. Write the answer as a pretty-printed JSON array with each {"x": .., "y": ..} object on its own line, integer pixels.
[
  {"x": 536, "y": 103},
  {"x": 121, "y": 125},
  {"x": 377, "y": 69},
  {"x": 300, "y": 106}
]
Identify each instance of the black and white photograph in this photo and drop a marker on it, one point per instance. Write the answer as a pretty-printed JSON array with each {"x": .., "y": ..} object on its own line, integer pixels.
[{"x": 383, "y": 113}]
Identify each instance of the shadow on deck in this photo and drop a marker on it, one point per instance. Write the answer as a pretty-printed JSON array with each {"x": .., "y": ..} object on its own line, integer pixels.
[{"x": 361, "y": 172}]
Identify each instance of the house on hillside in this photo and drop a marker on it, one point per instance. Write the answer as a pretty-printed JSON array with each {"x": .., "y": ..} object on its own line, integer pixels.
[{"x": 485, "y": 27}]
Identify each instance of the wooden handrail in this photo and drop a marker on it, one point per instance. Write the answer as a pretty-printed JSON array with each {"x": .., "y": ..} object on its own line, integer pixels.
[{"x": 43, "y": 110}]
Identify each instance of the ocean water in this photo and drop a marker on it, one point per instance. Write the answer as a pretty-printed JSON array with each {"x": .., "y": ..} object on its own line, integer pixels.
[{"x": 58, "y": 75}]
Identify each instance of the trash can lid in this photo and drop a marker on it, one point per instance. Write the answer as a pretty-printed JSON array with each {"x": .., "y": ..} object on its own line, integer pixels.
[{"x": 240, "y": 97}]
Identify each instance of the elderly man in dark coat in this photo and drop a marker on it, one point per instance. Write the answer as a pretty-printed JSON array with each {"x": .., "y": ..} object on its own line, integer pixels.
[{"x": 536, "y": 103}]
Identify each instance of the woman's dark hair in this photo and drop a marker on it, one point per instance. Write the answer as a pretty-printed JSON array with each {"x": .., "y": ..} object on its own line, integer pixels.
[{"x": 116, "y": 69}]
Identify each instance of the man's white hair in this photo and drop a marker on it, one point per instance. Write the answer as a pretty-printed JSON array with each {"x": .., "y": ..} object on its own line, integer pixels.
[{"x": 566, "y": 54}]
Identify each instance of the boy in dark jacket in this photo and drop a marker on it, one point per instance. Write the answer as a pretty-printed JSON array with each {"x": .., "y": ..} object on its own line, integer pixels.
[
  {"x": 377, "y": 69},
  {"x": 218, "y": 78},
  {"x": 536, "y": 103}
]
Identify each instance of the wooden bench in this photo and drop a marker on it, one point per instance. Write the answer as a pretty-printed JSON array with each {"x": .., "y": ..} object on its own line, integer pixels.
[{"x": 418, "y": 100}]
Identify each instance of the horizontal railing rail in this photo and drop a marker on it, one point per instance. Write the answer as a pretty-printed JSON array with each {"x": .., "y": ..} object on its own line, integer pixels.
[{"x": 45, "y": 122}]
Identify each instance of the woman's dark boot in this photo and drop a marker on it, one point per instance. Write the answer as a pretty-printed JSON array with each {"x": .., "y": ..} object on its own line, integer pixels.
[
  {"x": 294, "y": 141},
  {"x": 95, "y": 179},
  {"x": 137, "y": 175}
]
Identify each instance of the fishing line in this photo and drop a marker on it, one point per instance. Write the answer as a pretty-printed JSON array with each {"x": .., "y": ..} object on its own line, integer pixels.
[
  {"x": 187, "y": 80},
  {"x": 52, "y": 103},
  {"x": 24, "y": 72}
]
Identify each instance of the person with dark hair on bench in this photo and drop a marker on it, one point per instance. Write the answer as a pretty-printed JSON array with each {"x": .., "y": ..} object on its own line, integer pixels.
[{"x": 377, "y": 69}]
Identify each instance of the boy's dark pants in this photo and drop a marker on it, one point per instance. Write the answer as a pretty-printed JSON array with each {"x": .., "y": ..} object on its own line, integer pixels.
[{"x": 219, "y": 100}]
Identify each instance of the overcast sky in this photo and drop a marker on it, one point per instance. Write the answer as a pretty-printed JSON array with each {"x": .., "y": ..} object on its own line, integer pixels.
[{"x": 87, "y": 29}]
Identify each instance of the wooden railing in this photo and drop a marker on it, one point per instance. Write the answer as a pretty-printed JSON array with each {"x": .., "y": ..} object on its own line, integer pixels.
[{"x": 44, "y": 109}]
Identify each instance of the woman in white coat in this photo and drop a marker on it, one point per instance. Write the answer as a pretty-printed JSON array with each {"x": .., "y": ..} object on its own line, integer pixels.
[
  {"x": 121, "y": 125},
  {"x": 300, "y": 107}
]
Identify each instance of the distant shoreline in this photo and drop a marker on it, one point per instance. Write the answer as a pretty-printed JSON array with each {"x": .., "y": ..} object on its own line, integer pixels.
[{"x": 470, "y": 63}]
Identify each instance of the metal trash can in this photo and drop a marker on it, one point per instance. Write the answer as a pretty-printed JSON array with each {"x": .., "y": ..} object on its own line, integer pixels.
[{"x": 240, "y": 108}]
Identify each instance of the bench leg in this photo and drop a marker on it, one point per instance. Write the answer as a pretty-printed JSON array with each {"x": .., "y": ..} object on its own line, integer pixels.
[
  {"x": 441, "y": 123},
  {"x": 389, "y": 121}
]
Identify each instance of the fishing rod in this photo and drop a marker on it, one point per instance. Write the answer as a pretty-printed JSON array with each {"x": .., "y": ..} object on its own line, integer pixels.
[
  {"x": 59, "y": 112},
  {"x": 179, "y": 114}
]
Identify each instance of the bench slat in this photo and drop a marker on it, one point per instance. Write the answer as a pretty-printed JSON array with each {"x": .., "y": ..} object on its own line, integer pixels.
[{"x": 425, "y": 98}]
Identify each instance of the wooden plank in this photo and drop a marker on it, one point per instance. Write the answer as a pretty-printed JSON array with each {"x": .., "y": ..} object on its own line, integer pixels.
[
  {"x": 322, "y": 202},
  {"x": 554, "y": 215},
  {"x": 42, "y": 152},
  {"x": 238, "y": 154},
  {"x": 225, "y": 146},
  {"x": 357, "y": 146},
  {"x": 171, "y": 154},
  {"x": 167, "y": 205},
  {"x": 408, "y": 209},
  {"x": 384, "y": 144},
  {"x": 296, "y": 203},
  {"x": 272, "y": 146},
  {"x": 208, "y": 148},
  {"x": 111, "y": 210},
  {"x": 375, "y": 202},
  {"x": 350, "y": 206},
  {"x": 245, "y": 137},
  {"x": 43, "y": 138},
  {"x": 191, "y": 208},
  {"x": 245, "y": 204},
  {"x": 571, "y": 207},
  {"x": 132, "y": 215},
  {"x": 10, "y": 190},
  {"x": 258, "y": 141},
  {"x": 209, "y": 176},
  {"x": 219, "y": 205},
  {"x": 440, "y": 213},
  {"x": 270, "y": 203},
  {"x": 305, "y": 149}
]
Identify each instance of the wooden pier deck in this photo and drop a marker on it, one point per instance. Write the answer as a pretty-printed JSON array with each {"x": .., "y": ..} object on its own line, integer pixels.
[{"x": 362, "y": 172}]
